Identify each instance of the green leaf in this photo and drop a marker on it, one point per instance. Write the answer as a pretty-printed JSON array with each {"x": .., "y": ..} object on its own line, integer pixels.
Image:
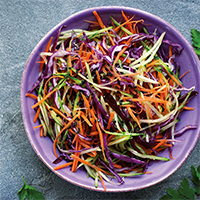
[
  {"x": 174, "y": 194},
  {"x": 31, "y": 193},
  {"x": 197, "y": 189},
  {"x": 195, "y": 175},
  {"x": 186, "y": 190},
  {"x": 195, "y": 37},
  {"x": 197, "y": 51},
  {"x": 22, "y": 193},
  {"x": 198, "y": 169},
  {"x": 166, "y": 197},
  {"x": 34, "y": 195}
]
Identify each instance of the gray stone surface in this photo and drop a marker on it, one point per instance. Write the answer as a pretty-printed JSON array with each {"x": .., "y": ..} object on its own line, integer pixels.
[{"x": 22, "y": 24}]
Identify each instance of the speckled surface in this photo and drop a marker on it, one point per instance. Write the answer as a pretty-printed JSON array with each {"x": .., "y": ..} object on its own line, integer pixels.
[{"x": 22, "y": 25}]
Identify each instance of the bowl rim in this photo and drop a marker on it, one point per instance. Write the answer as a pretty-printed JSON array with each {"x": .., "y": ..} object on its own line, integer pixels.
[{"x": 24, "y": 117}]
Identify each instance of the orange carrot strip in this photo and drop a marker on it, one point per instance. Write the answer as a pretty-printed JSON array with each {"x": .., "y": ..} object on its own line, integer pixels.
[
  {"x": 46, "y": 50},
  {"x": 98, "y": 77},
  {"x": 170, "y": 51},
  {"x": 110, "y": 119},
  {"x": 88, "y": 106},
  {"x": 133, "y": 116},
  {"x": 41, "y": 131},
  {"x": 160, "y": 144},
  {"x": 188, "y": 108},
  {"x": 120, "y": 54},
  {"x": 99, "y": 20},
  {"x": 93, "y": 124},
  {"x": 174, "y": 78},
  {"x": 149, "y": 172},
  {"x": 184, "y": 74},
  {"x": 87, "y": 146},
  {"x": 81, "y": 49},
  {"x": 101, "y": 139},
  {"x": 170, "y": 154},
  {"x": 64, "y": 128},
  {"x": 42, "y": 61},
  {"x": 31, "y": 95},
  {"x": 60, "y": 113},
  {"x": 35, "y": 127},
  {"x": 126, "y": 18},
  {"x": 75, "y": 161},
  {"x": 94, "y": 133},
  {"x": 102, "y": 26},
  {"x": 46, "y": 83},
  {"x": 149, "y": 111},
  {"x": 37, "y": 115},
  {"x": 101, "y": 48},
  {"x": 86, "y": 119},
  {"x": 63, "y": 166},
  {"x": 128, "y": 23},
  {"x": 46, "y": 97},
  {"x": 92, "y": 22},
  {"x": 69, "y": 57},
  {"x": 128, "y": 105},
  {"x": 102, "y": 181},
  {"x": 117, "y": 166},
  {"x": 75, "y": 138},
  {"x": 87, "y": 163},
  {"x": 152, "y": 63},
  {"x": 55, "y": 141},
  {"x": 88, "y": 56}
]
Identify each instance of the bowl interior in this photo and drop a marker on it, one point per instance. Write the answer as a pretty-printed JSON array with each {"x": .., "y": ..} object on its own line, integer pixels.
[{"x": 161, "y": 170}]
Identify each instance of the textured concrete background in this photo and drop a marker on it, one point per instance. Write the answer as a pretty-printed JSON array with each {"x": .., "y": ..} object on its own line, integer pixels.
[{"x": 22, "y": 24}]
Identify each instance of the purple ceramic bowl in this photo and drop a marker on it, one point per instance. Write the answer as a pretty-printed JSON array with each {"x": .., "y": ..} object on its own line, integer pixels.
[{"x": 161, "y": 170}]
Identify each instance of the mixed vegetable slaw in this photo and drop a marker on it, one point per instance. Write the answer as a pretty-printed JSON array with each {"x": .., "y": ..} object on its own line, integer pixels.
[{"x": 110, "y": 98}]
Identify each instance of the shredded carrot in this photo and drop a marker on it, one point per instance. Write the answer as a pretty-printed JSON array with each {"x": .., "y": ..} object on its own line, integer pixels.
[
  {"x": 86, "y": 119},
  {"x": 87, "y": 163},
  {"x": 88, "y": 106},
  {"x": 120, "y": 54},
  {"x": 160, "y": 144},
  {"x": 37, "y": 115},
  {"x": 35, "y": 127},
  {"x": 31, "y": 95},
  {"x": 63, "y": 166},
  {"x": 188, "y": 108},
  {"x": 170, "y": 154},
  {"x": 75, "y": 139},
  {"x": 127, "y": 20},
  {"x": 101, "y": 139},
  {"x": 64, "y": 128},
  {"x": 59, "y": 112},
  {"x": 170, "y": 51},
  {"x": 41, "y": 131},
  {"x": 102, "y": 25},
  {"x": 46, "y": 83},
  {"x": 102, "y": 181},
  {"x": 46, "y": 97},
  {"x": 110, "y": 119},
  {"x": 75, "y": 162},
  {"x": 46, "y": 50},
  {"x": 149, "y": 172},
  {"x": 184, "y": 74},
  {"x": 133, "y": 116}
]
